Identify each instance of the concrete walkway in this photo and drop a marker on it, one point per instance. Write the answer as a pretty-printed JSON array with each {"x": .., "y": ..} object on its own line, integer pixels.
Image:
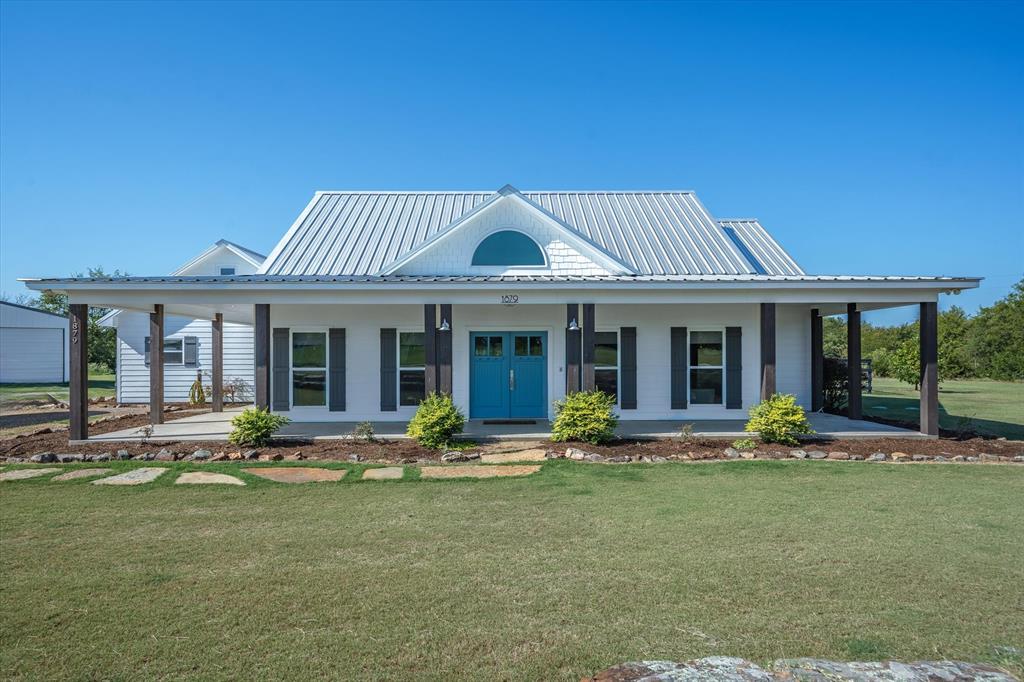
[{"x": 216, "y": 426}]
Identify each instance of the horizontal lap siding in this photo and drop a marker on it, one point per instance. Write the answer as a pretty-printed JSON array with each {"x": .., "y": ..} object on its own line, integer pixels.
[
  {"x": 133, "y": 372},
  {"x": 793, "y": 351}
]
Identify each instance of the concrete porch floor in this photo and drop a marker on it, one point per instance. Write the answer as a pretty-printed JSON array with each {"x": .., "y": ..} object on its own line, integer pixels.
[{"x": 216, "y": 426}]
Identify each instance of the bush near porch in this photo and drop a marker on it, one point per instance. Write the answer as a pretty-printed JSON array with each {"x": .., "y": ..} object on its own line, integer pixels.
[{"x": 586, "y": 416}]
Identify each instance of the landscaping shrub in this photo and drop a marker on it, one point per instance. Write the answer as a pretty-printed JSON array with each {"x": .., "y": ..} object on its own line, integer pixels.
[
  {"x": 836, "y": 385},
  {"x": 254, "y": 427},
  {"x": 437, "y": 421},
  {"x": 196, "y": 392},
  {"x": 585, "y": 416},
  {"x": 744, "y": 444},
  {"x": 779, "y": 419},
  {"x": 364, "y": 431}
]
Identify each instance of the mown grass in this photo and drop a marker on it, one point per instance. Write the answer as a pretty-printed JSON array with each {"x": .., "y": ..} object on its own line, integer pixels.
[
  {"x": 99, "y": 385},
  {"x": 552, "y": 576},
  {"x": 991, "y": 408}
]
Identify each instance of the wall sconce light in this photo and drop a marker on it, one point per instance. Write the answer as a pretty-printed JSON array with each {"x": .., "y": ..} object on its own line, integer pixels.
[
  {"x": 573, "y": 327},
  {"x": 445, "y": 327}
]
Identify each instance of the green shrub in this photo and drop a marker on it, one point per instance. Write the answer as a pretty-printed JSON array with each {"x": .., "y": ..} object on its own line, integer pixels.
[
  {"x": 437, "y": 421},
  {"x": 255, "y": 427},
  {"x": 585, "y": 416},
  {"x": 744, "y": 444},
  {"x": 364, "y": 431},
  {"x": 778, "y": 420}
]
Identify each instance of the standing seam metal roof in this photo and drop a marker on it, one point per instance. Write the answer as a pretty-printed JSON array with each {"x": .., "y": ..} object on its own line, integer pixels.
[{"x": 654, "y": 233}]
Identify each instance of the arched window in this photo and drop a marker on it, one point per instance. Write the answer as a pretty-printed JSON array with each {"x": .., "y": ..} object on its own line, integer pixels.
[{"x": 508, "y": 247}]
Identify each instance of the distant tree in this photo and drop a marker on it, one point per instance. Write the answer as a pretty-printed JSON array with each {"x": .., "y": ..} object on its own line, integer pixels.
[
  {"x": 905, "y": 363},
  {"x": 18, "y": 299},
  {"x": 997, "y": 338},
  {"x": 834, "y": 337},
  {"x": 955, "y": 358}
]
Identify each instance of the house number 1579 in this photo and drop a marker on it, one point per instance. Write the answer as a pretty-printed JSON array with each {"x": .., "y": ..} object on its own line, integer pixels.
[{"x": 510, "y": 299}]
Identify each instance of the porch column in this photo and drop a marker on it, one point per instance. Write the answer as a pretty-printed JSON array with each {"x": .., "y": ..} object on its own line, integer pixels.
[
  {"x": 217, "y": 378},
  {"x": 78, "y": 384},
  {"x": 817, "y": 361},
  {"x": 156, "y": 365},
  {"x": 430, "y": 348},
  {"x": 929, "y": 339},
  {"x": 589, "y": 342},
  {"x": 854, "y": 409},
  {"x": 444, "y": 350},
  {"x": 572, "y": 347},
  {"x": 767, "y": 350},
  {"x": 261, "y": 355}
]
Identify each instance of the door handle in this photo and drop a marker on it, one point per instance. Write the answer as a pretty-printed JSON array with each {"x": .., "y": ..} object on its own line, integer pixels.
[{"x": 512, "y": 380}]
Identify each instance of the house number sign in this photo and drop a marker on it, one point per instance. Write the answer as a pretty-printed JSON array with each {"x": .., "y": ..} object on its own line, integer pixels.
[{"x": 509, "y": 299}]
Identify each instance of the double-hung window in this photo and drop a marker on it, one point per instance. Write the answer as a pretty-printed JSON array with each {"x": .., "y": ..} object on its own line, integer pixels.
[
  {"x": 707, "y": 367},
  {"x": 411, "y": 368},
  {"x": 309, "y": 369},
  {"x": 606, "y": 363},
  {"x": 174, "y": 351}
]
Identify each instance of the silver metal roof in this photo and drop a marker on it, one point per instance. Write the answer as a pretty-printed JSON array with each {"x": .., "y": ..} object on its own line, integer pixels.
[
  {"x": 760, "y": 248},
  {"x": 654, "y": 233}
]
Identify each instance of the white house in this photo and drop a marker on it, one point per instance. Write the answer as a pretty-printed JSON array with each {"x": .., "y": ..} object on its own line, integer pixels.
[
  {"x": 187, "y": 341},
  {"x": 508, "y": 299},
  {"x": 33, "y": 345}
]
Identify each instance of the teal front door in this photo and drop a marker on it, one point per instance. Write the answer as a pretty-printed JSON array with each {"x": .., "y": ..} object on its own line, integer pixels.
[{"x": 508, "y": 375}]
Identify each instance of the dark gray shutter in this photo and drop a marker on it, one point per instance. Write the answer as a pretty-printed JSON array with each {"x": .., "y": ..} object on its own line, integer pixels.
[
  {"x": 191, "y": 346},
  {"x": 388, "y": 370},
  {"x": 733, "y": 368},
  {"x": 279, "y": 370},
  {"x": 679, "y": 361},
  {"x": 336, "y": 371},
  {"x": 627, "y": 368},
  {"x": 147, "y": 350}
]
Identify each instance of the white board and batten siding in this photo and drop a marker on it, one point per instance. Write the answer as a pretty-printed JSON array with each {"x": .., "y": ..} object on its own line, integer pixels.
[
  {"x": 133, "y": 371},
  {"x": 33, "y": 345}
]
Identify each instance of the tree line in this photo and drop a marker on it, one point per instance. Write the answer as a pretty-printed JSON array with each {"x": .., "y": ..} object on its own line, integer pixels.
[{"x": 988, "y": 344}]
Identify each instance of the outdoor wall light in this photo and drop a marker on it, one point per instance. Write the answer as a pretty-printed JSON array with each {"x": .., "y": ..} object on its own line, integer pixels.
[
  {"x": 445, "y": 327},
  {"x": 573, "y": 327}
]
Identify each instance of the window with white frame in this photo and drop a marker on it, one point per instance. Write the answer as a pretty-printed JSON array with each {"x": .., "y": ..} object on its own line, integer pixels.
[
  {"x": 309, "y": 369},
  {"x": 411, "y": 368},
  {"x": 227, "y": 270},
  {"x": 606, "y": 363},
  {"x": 174, "y": 351},
  {"x": 707, "y": 367}
]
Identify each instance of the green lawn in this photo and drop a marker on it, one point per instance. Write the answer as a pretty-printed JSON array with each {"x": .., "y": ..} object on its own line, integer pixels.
[
  {"x": 99, "y": 385},
  {"x": 548, "y": 577},
  {"x": 994, "y": 408}
]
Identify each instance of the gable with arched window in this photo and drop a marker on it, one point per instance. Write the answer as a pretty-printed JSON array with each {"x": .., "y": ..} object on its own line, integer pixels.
[{"x": 508, "y": 248}]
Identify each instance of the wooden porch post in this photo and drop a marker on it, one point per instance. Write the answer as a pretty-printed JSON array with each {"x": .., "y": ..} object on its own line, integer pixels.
[
  {"x": 430, "y": 348},
  {"x": 589, "y": 341},
  {"x": 261, "y": 355},
  {"x": 156, "y": 365},
  {"x": 217, "y": 378},
  {"x": 929, "y": 339},
  {"x": 78, "y": 384},
  {"x": 854, "y": 409},
  {"x": 572, "y": 348},
  {"x": 444, "y": 350},
  {"x": 767, "y": 350},
  {"x": 817, "y": 361}
]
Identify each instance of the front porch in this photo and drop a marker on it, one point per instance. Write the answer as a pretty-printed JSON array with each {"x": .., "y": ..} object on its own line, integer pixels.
[{"x": 215, "y": 426}]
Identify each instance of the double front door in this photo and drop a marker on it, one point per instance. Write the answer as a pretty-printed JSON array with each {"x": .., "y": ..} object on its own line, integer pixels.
[{"x": 508, "y": 375}]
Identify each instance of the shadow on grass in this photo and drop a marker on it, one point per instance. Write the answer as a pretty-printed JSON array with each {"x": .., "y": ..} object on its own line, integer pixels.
[{"x": 906, "y": 411}]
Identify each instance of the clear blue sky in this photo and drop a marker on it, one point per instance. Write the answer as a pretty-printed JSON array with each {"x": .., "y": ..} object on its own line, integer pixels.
[{"x": 876, "y": 138}]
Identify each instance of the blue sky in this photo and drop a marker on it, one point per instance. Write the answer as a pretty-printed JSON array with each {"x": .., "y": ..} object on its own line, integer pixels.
[{"x": 880, "y": 138}]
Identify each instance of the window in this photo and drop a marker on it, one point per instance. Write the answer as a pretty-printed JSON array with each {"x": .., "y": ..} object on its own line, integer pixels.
[
  {"x": 707, "y": 362},
  {"x": 224, "y": 270},
  {"x": 606, "y": 363},
  {"x": 492, "y": 346},
  {"x": 529, "y": 346},
  {"x": 508, "y": 247},
  {"x": 174, "y": 351},
  {"x": 411, "y": 368},
  {"x": 309, "y": 369}
]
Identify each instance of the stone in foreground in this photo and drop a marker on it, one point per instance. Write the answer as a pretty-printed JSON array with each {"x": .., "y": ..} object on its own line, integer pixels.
[
  {"x": 712, "y": 668},
  {"x": 297, "y": 474},
  {"x": 133, "y": 477},
  {"x": 206, "y": 477},
  {"x": 473, "y": 471},
  {"x": 81, "y": 473},
  {"x": 22, "y": 474},
  {"x": 383, "y": 474},
  {"x": 510, "y": 457}
]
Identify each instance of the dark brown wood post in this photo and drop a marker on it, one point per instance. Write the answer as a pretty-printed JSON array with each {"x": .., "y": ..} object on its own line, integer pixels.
[
  {"x": 78, "y": 384},
  {"x": 444, "y": 350},
  {"x": 430, "y": 348},
  {"x": 572, "y": 348},
  {"x": 217, "y": 370},
  {"x": 156, "y": 365},
  {"x": 854, "y": 408},
  {"x": 817, "y": 361},
  {"x": 767, "y": 350},
  {"x": 261, "y": 355},
  {"x": 589, "y": 343},
  {"x": 929, "y": 338}
]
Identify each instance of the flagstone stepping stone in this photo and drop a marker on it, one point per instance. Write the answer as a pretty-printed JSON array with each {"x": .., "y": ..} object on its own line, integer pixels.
[
  {"x": 81, "y": 473},
  {"x": 133, "y": 477},
  {"x": 205, "y": 477},
  {"x": 21, "y": 474},
  {"x": 473, "y": 471},
  {"x": 509, "y": 457},
  {"x": 383, "y": 474},
  {"x": 297, "y": 474}
]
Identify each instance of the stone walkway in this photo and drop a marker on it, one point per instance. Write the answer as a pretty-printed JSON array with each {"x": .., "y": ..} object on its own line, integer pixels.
[
  {"x": 206, "y": 478},
  {"x": 474, "y": 471},
  {"x": 133, "y": 477},
  {"x": 80, "y": 473},
  {"x": 383, "y": 474},
  {"x": 298, "y": 474},
  {"x": 22, "y": 474}
]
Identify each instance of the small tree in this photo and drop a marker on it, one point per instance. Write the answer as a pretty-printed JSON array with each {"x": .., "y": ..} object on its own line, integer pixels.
[
  {"x": 779, "y": 420},
  {"x": 437, "y": 421},
  {"x": 905, "y": 364}
]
